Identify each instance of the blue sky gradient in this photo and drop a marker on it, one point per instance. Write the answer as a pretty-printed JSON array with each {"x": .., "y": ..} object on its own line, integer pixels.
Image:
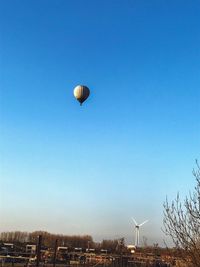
[{"x": 88, "y": 170}]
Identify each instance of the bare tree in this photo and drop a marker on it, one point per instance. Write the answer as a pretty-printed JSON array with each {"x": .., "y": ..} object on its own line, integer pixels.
[{"x": 182, "y": 222}]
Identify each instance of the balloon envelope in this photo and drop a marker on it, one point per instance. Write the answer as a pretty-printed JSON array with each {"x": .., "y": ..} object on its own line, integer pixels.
[{"x": 81, "y": 93}]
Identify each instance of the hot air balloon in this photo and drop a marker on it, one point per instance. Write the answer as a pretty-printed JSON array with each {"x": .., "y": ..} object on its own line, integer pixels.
[{"x": 81, "y": 93}]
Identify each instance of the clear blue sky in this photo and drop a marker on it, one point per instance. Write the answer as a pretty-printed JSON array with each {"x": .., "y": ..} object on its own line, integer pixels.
[{"x": 87, "y": 170}]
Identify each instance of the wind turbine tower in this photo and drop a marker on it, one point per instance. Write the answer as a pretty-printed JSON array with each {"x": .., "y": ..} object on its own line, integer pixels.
[{"x": 137, "y": 231}]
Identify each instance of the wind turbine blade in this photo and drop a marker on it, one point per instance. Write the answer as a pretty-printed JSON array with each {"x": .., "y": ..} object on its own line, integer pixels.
[
  {"x": 134, "y": 221},
  {"x": 143, "y": 223}
]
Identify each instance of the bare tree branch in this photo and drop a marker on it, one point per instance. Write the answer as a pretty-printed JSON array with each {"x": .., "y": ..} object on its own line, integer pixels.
[{"x": 182, "y": 222}]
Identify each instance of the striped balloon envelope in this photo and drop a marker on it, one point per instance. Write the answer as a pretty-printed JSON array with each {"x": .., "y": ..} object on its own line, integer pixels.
[{"x": 81, "y": 93}]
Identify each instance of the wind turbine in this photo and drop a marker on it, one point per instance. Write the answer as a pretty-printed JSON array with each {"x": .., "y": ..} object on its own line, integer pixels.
[{"x": 137, "y": 231}]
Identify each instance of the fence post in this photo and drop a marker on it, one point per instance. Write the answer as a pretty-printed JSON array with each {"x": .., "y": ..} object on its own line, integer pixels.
[
  {"x": 38, "y": 250},
  {"x": 55, "y": 253}
]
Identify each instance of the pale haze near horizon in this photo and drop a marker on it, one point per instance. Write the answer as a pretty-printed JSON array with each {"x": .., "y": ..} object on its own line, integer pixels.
[{"x": 87, "y": 170}]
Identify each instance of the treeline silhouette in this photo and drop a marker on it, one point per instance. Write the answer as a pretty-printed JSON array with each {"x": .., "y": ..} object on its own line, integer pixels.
[{"x": 48, "y": 240}]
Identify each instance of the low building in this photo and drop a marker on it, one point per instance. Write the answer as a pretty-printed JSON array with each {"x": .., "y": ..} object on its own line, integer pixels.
[
  {"x": 8, "y": 245},
  {"x": 78, "y": 250},
  {"x": 62, "y": 249},
  {"x": 31, "y": 249}
]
